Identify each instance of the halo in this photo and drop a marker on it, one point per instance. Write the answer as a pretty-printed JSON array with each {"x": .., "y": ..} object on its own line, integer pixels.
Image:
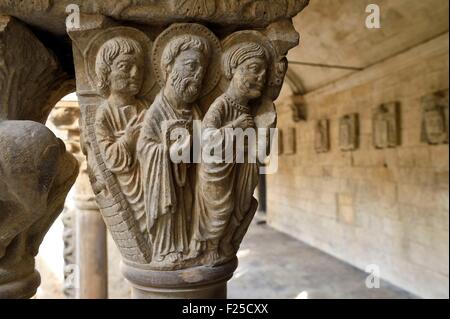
[
  {"x": 91, "y": 51},
  {"x": 265, "y": 115},
  {"x": 240, "y": 37},
  {"x": 212, "y": 75}
]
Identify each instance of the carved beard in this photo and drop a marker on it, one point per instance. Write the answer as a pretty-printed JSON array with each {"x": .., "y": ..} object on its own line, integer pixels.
[{"x": 188, "y": 88}]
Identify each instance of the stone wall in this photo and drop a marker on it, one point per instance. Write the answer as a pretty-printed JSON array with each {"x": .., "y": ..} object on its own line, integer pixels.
[{"x": 387, "y": 207}]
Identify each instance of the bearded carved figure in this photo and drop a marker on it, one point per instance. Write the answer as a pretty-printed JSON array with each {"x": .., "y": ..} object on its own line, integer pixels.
[
  {"x": 186, "y": 213},
  {"x": 168, "y": 185},
  {"x": 146, "y": 98}
]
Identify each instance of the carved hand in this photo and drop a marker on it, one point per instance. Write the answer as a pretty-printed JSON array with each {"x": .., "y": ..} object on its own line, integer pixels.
[
  {"x": 181, "y": 145},
  {"x": 244, "y": 121},
  {"x": 131, "y": 132},
  {"x": 171, "y": 127}
]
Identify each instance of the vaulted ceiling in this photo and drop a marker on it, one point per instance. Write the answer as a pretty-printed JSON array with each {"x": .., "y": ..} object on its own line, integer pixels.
[{"x": 334, "y": 32}]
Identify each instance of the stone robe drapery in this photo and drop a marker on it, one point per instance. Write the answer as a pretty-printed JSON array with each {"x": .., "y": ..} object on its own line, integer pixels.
[
  {"x": 167, "y": 185},
  {"x": 119, "y": 157},
  {"x": 224, "y": 191}
]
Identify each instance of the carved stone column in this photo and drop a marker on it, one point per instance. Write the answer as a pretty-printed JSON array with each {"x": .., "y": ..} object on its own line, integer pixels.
[
  {"x": 84, "y": 232},
  {"x": 69, "y": 238},
  {"x": 146, "y": 91},
  {"x": 36, "y": 172},
  {"x": 91, "y": 246}
]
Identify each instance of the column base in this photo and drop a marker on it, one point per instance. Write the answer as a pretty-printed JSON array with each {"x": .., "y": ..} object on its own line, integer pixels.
[
  {"x": 192, "y": 283},
  {"x": 22, "y": 288}
]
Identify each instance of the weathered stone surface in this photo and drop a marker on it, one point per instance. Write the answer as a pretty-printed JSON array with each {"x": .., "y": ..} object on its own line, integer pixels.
[
  {"x": 85, "y": 232},
  {"x": 386, "y": 126},
  {"x": 322, "y": 136},
  {"x": 138, "y": 88},
  {"x": 28, "y": 93},
  {"x": 32, "y": 161},
  {"x": 50, "y": 15},
  {"x": 64, "y": 118},
  {"x": 349, "y": 132},
  {"x": 435, "y": 118},
  {"x": 399, "y": 195}
]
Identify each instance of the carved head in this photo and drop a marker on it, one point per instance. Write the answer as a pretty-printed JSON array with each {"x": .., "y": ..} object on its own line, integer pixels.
[
  {"x": 435, "y": 118},
  {"x": 64, "y": 116},
  {"x": 184, "y": 62},
  {"x": 246, "y": 66},
  {"x": 119, "y": 66}
]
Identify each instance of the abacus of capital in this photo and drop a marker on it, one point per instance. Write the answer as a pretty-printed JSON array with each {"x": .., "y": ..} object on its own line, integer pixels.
[{"x": 143, "y": 70}]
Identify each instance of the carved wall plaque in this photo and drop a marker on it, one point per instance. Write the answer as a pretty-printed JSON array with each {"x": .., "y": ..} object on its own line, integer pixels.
[
  {"x": 349, "y": 132},
  {"x": 280, "y": 141},
  {"x": 289, "y": 143},
  {"x": 298, "y": 109},
  {"x": 322, "y": 136},
  {"x": 385, "y": 126},
  {"x": 435, "y": 118},
  {"x": 249, "y": 13}
]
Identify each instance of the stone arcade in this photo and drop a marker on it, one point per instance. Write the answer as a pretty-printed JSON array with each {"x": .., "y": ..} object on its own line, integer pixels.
[{"x": 142, "y": 69}]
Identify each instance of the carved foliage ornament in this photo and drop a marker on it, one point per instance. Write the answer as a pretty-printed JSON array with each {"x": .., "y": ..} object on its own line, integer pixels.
[
  {"x": 23, "y": 87},
  {"x": 32, "y": 160},
  {"x": 160, "y": 213},
  {"x": 30, "y": 6}
]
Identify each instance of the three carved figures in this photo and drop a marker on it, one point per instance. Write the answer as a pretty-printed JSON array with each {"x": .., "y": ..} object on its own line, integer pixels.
[{"x": 165, "y": 213}]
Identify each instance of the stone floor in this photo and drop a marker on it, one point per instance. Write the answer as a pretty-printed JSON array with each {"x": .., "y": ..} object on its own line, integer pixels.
[{"x": 273, "y": 265}]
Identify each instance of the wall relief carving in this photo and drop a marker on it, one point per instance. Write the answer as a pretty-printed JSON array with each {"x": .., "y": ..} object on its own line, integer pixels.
[
  {"x": 298, "y": 111},
  {"x": 149, "y": 97},
  {"x": 435, "y": 118},
  {"x": 385, "y": 125},
  {"x": 322, "y": 136},
  {"x": 349, "y": 132}
]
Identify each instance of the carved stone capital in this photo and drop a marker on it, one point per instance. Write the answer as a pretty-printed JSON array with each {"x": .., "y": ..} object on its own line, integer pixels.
[
  {"x": 32, "y": 161},
  {"x": 177, "y": 223}
]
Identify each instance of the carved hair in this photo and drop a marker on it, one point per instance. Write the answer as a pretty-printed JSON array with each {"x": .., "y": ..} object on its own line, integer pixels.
[
  {"x": 239, "y": 53},
  {"x": 181, "y": 44},
  {"x": 108, "y": 52}
]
